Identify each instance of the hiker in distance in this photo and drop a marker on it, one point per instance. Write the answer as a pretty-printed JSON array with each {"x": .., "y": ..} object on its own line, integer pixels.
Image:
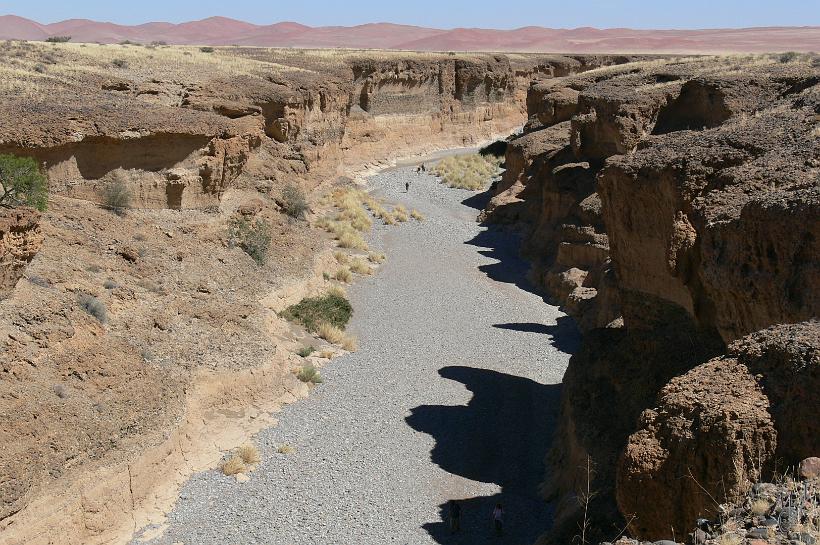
[
  {"x": 498, "y": 519},
  {"x": 455, "y": 516}
]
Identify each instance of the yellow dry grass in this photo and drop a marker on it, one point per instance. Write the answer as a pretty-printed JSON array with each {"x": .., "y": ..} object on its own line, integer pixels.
[
  {"x": 342, "y": 258},
  {"x": 334, "y": 335},
  {"x": 472, "y": 171},
  {"x": 338, "y": 291},
  {"x": 327, "y": 354},
  {"x": 248, "y": 453},
  {"x": 348, "y": 239},
  {"x": 360, "y": 266},
  {"x": 233, "y": 465},
  {"x": 285, "y": 448},
  {"x": 344, "y": 275},
  {"x": 416, "y": 215},
  {"x": 400, "y": 213},
  {"x": 760, "y": 507},
  {"x": 376, "y": 257}
]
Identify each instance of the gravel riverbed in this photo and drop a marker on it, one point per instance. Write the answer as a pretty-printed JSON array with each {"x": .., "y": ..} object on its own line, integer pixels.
[{"x": 453, "y": 394}]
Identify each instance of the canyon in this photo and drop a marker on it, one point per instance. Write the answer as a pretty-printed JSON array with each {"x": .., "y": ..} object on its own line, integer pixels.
[{"x": 669, "y": 205}]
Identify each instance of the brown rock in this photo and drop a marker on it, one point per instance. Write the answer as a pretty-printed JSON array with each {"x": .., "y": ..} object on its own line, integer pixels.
[
  {"x": 810, "y": 468},
  {"x": 20, "y": 240}
]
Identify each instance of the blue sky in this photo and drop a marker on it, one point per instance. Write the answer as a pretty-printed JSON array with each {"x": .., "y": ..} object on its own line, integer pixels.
[{"x": 439, "y": 13}]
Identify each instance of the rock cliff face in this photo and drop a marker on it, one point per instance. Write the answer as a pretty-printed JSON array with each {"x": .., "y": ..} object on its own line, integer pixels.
[
  {"x": 20, "y": 239},
  {"x": 672, "y": 208}
]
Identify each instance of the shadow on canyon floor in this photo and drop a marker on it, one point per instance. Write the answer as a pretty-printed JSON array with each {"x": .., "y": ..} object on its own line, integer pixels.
[
  {"x": 564, "y": 334},
  {"x": 493, "y": 439}
]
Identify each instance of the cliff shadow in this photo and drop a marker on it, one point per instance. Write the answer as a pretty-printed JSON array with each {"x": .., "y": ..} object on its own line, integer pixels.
[
  {"x": 564, "y": 334},
  {"x": 501, "y": 436}
]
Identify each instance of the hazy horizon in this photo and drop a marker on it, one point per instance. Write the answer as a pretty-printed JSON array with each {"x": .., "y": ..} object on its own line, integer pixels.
[{"x": 696, "y": 14}]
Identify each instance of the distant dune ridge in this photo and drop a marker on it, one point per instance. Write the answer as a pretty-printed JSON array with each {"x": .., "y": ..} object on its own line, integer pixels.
[{"x": 225, "y": 31}]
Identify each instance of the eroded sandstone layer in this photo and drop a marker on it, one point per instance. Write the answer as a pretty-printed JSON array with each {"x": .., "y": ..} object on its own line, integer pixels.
[
  {"x": 135, "y": 347},
  {"x": 673, "y": 208}
]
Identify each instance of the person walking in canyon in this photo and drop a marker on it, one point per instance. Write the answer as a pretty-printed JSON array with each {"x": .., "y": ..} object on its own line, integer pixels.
[
  {"x": 498, "y": 519},
  {"x": 407, "y": 187},
  {"x": 455, "y": 516}
]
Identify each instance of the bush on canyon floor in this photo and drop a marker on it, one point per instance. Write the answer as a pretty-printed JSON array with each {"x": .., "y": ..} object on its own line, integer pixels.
[
  {"x": 22, "y": 183},
  {"x": 331, "y": 308},
  {"x": 233, "y": 465},
  {"x": 253, "y": 237},
  {"x": 294, "y": 202},
  {"x": 207, "y": 49},
  {"x": 306, "y": 351},
  {"x": 344, "y": 275},
  {"x": 416, "y": 215},
  {"x": 334, "y": 335},
  {"x": 359, "y": 266},
  {"x": 376, "y": 257},
  {"x": 467, "y": 171},
  {"x": 93, "y": 306},
  {"x": 117, "y": 196},
  {"x": 310, "y": 374},
  {"x": 58, "y": 39},
  {"x": 248, "y": 453},
  {"x": 120, "y": 63}
]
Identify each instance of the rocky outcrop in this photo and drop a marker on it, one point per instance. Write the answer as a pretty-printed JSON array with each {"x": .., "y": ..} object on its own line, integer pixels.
[
  {"x": 678, "y": 214},
  {"x": 20, "y": 239},
  {"x": 721, "y": 427}
]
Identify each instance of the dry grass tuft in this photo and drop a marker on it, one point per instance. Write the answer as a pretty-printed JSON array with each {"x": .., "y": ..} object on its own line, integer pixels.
[
  {"x": 359, "y": 266},
  {"x": 376, "y": 257},
  {"x": 352, "y": 240},
  {"x": 327, "y": 354},
  {"x": 760, "y": 507},
  {"x": 344, "y": 275},
  {"x": 248, "y": 453},
  {"x": 233, "y": 465},
  {"x": 416, "y": 215},
  {"x": 337, "y": 291},
  {"x": 330, "y": 333},
  {"x": 400, "y": 213},
  {"x": 342, "y": 258},
  {"x": 350, "y": 343},
  {"x": 285, "y": 448},
  {"x": 472, "y": 171}
]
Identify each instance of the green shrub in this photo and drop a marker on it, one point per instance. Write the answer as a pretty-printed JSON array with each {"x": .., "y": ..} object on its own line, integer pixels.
[
  {"x": 253, "y": 237},
  {"x": 331, "y": 308},
  {"x": 117, "y": 196},
  {"x": 294, "y": 203},
  {"x": 788, "y": 56},
  {"x": 22, "y": 183},
  {"x": 93, "y": 306},
  {"x": 309, "y": 373},
  {"x": 306, "y": 351},
  {"x": 120, "y": 63},
  {"x": 58, "y": 39},
  {"x": 207, "y": 49}
]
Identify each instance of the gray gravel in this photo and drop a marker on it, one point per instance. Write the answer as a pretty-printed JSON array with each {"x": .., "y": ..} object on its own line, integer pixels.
[{"x": 452, "y": 394}]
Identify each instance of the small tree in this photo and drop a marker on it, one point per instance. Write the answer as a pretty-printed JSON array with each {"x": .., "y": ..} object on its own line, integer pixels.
[
  {"x": 22, "y": 183},
  {"x": 254, "y": 238},
  {"x": 294, "y": 201},
  {"x": 58, "y": 39}
]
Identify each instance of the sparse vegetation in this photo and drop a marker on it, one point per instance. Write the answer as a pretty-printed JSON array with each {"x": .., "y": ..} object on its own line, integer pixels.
[
  {"x": 312, "y": 312},
  {"x": 93, "y": 306},
  {"x": 120, "y": 63},
  {"x": 253, "y": 237},
  {"x": 400, "y": 213},
  {"x": 58, "y": 39},
  {"x": 310, "y": 374},
  {"x": 110, "y": 284},
  {"x": 416, "y": 215},
  {"x": 306, "y": 351},
  {"x": 359, "y": 266},
  {"x": 207, "y": 49},
  {"x": 294, "y": 202},
  {"x": 22, "y": 183},
  {"x": 467, "y": 171},
  {"x": 788, "y": 56},
  {"x": 116, "y": 196},
  {"x": 233, "y": 465},
  {"x": 352, "y": 240},
  {"x": 285, "y": 448},
  {"x": 248, "y": 453},
  {"x": 760, "y": 507},
  {"x": 376, "y": 257},
  {"x": 60, "y": 391},
  {"x": 344, "y": 275},
  {"x": 342, "y": 258}
]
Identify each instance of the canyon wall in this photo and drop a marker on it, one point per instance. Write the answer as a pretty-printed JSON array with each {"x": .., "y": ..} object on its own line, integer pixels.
[
  {"x": 673, "y": 209},
  {"x": 137, "y": 347}
]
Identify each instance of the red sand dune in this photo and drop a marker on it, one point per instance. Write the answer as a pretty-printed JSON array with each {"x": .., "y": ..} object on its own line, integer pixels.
[{"x": 224, "y": 31}]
